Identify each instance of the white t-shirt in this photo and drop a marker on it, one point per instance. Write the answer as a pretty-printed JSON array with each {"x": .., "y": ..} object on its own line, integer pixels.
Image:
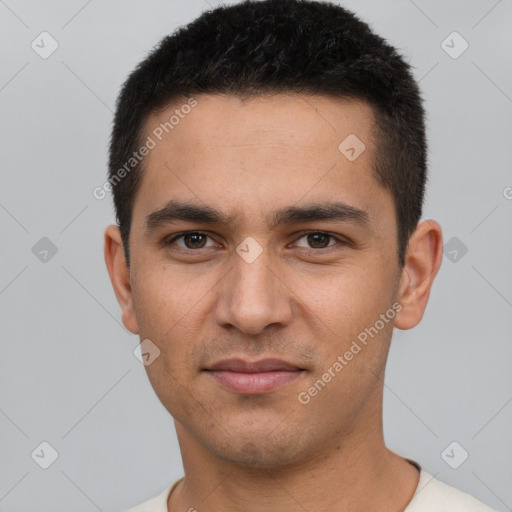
[{"x": 431, "y": 495}]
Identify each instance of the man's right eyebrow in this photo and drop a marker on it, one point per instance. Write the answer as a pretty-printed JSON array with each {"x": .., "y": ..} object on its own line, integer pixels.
[{"x": 179, "y": 211}]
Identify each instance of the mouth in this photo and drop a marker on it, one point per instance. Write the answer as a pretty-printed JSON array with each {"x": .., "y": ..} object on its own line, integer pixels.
[{"x": 253, "y": 378}]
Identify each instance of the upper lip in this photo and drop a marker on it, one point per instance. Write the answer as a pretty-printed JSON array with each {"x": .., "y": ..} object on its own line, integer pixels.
[{"x": 241, "y": 366}]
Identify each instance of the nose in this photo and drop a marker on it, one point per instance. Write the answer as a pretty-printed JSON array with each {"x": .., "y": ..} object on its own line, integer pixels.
[{"x": 253, "y": 296}]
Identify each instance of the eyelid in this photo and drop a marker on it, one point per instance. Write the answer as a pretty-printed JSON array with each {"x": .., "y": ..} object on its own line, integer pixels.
[
  {"x": 340, "y": 239},
  {"x": 170, "y": 240}
]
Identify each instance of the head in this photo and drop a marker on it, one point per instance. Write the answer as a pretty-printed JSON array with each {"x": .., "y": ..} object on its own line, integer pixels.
[{"x": 288, "y": 140}]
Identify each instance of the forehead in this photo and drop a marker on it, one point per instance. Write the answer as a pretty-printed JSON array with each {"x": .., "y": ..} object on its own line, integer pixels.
[
  {"x": 260, "y": 154},
  {"x": 316, "y": 123}
]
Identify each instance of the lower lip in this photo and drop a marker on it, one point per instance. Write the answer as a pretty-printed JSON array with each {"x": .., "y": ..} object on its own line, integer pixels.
[{"x": 254, "y": 383}]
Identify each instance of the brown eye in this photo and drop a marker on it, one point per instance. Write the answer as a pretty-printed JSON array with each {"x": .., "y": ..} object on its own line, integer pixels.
[
  {"x": 318, "y": 240},
  {"x": 191, "y": 240},
  {"x": 194, "y": 240}
]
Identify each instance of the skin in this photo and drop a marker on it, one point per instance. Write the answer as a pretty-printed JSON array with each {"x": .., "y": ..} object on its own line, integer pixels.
[{"x": 302, "y": 300}]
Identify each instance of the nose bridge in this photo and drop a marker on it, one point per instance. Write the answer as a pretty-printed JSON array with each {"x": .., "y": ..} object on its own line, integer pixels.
[
  {"x": 251, "y": 296},
  {"x": 253, "y": 279}
]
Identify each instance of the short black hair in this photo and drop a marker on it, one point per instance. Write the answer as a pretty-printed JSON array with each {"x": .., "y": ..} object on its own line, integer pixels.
[{"x": 255, "y": 48}]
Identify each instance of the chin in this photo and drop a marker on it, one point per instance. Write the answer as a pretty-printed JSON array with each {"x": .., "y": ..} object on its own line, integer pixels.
[{"x": 257, "y": 451}]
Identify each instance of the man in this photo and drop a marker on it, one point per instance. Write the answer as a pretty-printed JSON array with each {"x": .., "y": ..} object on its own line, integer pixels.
[{"x": 268, "y": 165}]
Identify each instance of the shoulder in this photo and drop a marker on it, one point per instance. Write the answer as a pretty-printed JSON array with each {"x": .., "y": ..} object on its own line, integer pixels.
[
  {"x": 432, "y": 495},
  {"x": 156, "y": 504}
]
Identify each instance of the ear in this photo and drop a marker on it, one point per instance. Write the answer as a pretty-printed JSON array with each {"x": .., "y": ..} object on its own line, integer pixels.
[
  {"x": 422, "y": 262},
  {"x": 120, "y": 276}
]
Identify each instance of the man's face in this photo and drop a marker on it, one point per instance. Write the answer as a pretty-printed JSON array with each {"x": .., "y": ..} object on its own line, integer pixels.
[{"x": 315, "y": 285}]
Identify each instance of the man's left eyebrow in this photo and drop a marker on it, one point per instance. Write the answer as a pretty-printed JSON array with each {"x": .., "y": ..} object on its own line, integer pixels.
[{"x": 333, "y": 212}]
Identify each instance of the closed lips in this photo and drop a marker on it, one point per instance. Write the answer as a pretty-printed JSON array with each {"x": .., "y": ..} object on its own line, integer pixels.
[{"x": 266, "y": 365}]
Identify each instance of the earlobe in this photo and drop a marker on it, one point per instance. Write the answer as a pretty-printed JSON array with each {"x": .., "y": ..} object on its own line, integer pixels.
[
  {"x": 422, "y": 262},
  {"x": 120, "y": 276}
]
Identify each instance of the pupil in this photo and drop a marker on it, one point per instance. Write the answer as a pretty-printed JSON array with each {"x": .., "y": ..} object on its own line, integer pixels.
[
  {"x": 316, "y": 238},
  {"x": 194, "y": 236}
]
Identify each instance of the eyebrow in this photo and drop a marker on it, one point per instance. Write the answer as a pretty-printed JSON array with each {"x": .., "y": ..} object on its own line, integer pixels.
[{"x": 175, "y": 211}]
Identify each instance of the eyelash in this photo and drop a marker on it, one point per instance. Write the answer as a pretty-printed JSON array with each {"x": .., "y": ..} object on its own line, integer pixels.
[{"x": 341, "y": 241}]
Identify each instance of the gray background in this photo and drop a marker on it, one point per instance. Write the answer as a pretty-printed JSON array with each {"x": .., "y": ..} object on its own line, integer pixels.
[{"x": 68, "y": 374}]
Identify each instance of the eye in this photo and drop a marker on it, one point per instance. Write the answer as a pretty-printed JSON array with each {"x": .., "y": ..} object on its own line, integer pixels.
[
  {"x": 191, "y": 239},
  {"x": 319, "y": 240}
]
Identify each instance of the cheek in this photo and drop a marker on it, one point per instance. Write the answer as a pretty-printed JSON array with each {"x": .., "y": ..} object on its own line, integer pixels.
[
  {"x": 159, "y": 305},
  {"x": 171, "y": 309},
  {"x": 345, "y": 297},
  {"x": 164, "y": 296},
  {"x": 343, "y": 309}
]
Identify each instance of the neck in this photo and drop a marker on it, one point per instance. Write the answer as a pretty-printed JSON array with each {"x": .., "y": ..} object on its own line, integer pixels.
[{"x": 354, "y": 472}]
